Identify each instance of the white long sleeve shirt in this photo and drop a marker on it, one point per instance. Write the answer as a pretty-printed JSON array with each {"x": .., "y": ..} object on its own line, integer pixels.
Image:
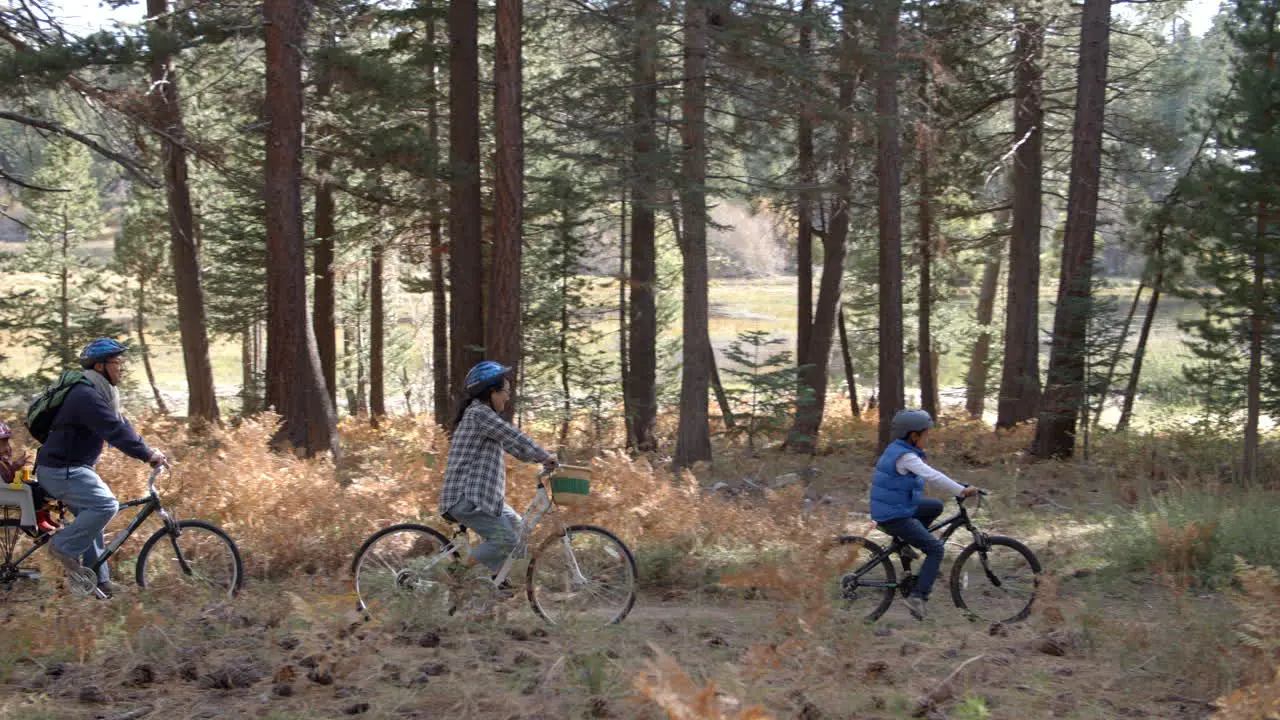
[{"x": 911, "y": 464}]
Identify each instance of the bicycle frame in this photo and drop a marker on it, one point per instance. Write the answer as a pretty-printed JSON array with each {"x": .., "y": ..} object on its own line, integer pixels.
[
  {"x": 959, "y": 520},
  {"x": 539, "y": 507},
  {"x": 150, "y": 504}
]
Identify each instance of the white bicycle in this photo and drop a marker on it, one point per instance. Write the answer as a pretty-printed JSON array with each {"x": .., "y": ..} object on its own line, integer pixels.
[{"x": 580, "y": 573}]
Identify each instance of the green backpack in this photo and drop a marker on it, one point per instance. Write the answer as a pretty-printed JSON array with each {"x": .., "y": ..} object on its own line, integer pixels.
[{"x": 43, "y": 410}]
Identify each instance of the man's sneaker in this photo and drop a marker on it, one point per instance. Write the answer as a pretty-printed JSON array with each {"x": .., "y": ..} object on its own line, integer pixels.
[
  {"x": 70, "y": 563},
  {"x": 505, "y": 591},
  {"x": 916, "y": 605}
]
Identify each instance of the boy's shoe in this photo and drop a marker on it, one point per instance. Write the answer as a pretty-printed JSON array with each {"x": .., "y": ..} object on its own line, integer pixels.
[
  {"x": 505, "y": 591},
  {"x": 70, "y": 563},
  {"x": 916, "y": 605},
  {"x": 109, "y": 588}
]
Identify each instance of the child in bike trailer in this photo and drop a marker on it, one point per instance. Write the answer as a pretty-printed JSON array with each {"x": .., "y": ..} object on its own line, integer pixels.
[
  {"x": 897, "y": 502},
  {"x": 475, "y": 477},
  {"x": 9, "y": 465}
]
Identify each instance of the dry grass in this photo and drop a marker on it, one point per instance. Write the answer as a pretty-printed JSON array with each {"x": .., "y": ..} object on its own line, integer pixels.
[{"x": 739, "y": 602}]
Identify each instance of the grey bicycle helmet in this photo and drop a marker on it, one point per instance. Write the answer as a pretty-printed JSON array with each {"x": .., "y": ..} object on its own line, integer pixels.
[{"x": 909, "y": 421}]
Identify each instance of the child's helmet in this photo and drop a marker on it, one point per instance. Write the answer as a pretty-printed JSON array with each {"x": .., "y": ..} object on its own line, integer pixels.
[
  {"x": 100, "y": 350},
  {"x": 909, "y": 421},
  {"x": 5, "y": 432},
  {"x": 485, "y": 375}
]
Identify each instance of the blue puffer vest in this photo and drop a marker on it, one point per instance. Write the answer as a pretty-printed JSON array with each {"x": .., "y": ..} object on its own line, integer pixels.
[{"x": 895, "y": 496}]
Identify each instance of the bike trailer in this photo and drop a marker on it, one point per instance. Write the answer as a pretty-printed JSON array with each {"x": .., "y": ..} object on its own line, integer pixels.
[{"x": 571, "y": 485}]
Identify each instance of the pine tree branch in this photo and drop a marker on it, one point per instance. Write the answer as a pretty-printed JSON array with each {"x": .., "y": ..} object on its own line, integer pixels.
[
  {"x": 26, "y": 186},
  {"x": 133, "y": 168}
]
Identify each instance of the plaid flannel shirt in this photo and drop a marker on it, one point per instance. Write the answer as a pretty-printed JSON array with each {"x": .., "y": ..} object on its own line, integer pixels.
[{"x": 477, "y": 469}]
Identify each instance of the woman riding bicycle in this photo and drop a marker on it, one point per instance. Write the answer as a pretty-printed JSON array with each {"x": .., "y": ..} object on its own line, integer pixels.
[
  {"x": 897, "y": 505},
  {"x": 475, "y": 478}
]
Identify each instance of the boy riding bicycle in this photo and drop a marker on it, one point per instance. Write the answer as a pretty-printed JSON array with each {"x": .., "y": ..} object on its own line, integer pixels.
[
  {"x": 475, "y": 477},
  {"x": 897, "y": 505}
]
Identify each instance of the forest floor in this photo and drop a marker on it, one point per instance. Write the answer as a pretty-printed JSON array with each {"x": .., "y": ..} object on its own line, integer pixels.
[{"x": 732, "y": 619}]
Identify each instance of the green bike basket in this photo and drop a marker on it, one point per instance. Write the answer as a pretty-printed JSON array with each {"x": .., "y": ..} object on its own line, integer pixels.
[{"x": 571, "y": 485}]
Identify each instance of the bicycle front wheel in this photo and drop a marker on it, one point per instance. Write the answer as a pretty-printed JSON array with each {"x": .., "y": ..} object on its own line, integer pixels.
[
  {"x": 996, "y": 583},
  {"x": 584, "y": 575},
  {"x": 865, "y": 577},
  {"x": 401, "y": 565},
  {"x": 198, "y": 560}
]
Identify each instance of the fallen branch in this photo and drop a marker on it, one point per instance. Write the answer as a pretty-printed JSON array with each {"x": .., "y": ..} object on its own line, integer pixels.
[{"x": 944, "y": 691}]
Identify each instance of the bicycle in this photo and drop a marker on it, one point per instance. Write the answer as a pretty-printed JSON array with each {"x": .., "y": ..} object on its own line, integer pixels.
[
  {"x": 181, "y": 555},
  {"x": 416, "y": 564},
  {"x": 994, "y": 572}
]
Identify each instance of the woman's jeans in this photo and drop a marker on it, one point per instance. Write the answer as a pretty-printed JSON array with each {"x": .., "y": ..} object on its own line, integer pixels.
[
  {"x": 81, "y": 490},
  {"x": 915, "y": 531},
  {"x": 500, "y": 532}
]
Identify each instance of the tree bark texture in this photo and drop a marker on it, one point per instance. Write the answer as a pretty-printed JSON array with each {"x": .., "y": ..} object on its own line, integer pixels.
[
  {"x": 295, "y": 386},
  {"x": 980, "y": 360},
  {"x": 324, "y": 302},
  {"x": 1064, "y": 392},
  {"x": 811, "y": 405},
  {"x": 643, "y": 362},
  {"x": 466, "y": 260},
  {"x": 693, "y": 437},
  {"x": 1020, "y": 375},
  {"x": 889, "y": 212},
  {"x": 808, "y": 181},
  {"x": 502, "y": 328},
  {"x": 440, "y": 392},
  {"x": 377, "y": 335},
  {"x": 202, "y": 402}
]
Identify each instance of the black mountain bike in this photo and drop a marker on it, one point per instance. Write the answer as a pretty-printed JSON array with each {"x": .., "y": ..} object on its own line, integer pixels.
[
  {"x": 994, "y": 579},
  {"x": 183, "y": 556}
]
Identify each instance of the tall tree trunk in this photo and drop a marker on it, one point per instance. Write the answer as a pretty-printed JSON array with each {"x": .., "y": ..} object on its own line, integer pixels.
[
  {"x": 813, "y": 374},
  {"x": 377, "y": 336},
  {"x": 502, "y": 329},
  {"x": 1020, "y": 376},
  {"x": 643, "y": 362},
  {"x": 566, "y": 410},
  {"x": 1140, "y": 352},
  {"x": 350, "y": 352},
  {"x": 1115, "y": 354},
  {"x": 64, "y": 294},
  {"x": 693, "y": 438},
  {"x": 1056, "y": 430},
  {"x": 1258, "y": 321},
  {"x": 466, "y": 262},
  {"x": 140, "y": 320},
  {"x": 248, "y": 374},
  {"x": 440, "y": 393},
  {"x": 295, "y": 386},
  {"x": 928, "y": 364},
  {"x": 627, "y": 411},
  {"x": 324, "y": 302},
  {"x": 202, "y": 403},
  {"x": 850, "y": 378},
  {"x": 808, "y": 180},
  {"x": 717, "y": 387},
  {"x": 980, "y": 360},
  {"x": 889, "y": 210}
]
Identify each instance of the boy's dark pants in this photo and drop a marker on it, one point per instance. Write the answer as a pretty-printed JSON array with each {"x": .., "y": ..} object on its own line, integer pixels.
[{"x": 915, "y": 530}]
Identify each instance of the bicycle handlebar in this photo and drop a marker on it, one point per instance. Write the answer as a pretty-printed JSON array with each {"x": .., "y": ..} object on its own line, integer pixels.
[{"x": 151, "y": 481}]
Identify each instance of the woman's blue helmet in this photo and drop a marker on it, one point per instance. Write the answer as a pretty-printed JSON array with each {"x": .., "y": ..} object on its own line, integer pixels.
[
  {"x": 100, "y": 350},
  {"x": 485, "y": 375}
]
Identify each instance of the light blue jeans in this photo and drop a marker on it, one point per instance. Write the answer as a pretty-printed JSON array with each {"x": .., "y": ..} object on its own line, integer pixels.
[
  {"x": 499, "y": 531},
  {"x": 81, "y": 490}
]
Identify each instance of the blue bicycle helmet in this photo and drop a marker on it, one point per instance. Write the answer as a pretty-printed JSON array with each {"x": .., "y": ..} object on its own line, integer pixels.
[
  {"x": 485, "y": 375},
  {"x": 100, "y": 350}
]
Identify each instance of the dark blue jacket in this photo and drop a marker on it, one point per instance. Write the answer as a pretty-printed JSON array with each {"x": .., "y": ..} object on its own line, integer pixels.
[
  {"x": 86, "y": 420},
  {"x": 895, "y": 496}
]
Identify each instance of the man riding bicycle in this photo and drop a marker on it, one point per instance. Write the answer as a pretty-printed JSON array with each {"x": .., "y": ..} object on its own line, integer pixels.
[{"x": 88, "y": 417}]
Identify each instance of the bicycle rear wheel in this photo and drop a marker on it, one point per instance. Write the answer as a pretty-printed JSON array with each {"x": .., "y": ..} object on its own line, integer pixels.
[
  {"x": 402, "y": 565},
  {"x": 584, "y": 575},
  {"x": 996, "y": 583},
  {"x": 14, "y": 580},
  {"x": 863, "y": 582},
  {"x": 200, "y": 560}
]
